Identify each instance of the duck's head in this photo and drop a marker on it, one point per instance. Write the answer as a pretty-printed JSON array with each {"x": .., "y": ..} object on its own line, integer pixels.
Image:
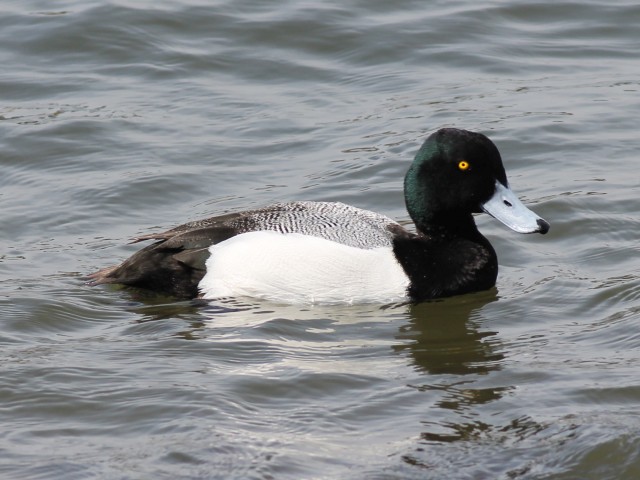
[{"x": 456, "y": 173}]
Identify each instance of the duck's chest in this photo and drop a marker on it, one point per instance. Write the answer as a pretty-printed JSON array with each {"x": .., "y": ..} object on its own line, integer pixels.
[{"x": 446, "y": 267}]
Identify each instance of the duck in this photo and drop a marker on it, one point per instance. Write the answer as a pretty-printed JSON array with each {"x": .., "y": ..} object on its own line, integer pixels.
[{"x": 307, "y": 252}]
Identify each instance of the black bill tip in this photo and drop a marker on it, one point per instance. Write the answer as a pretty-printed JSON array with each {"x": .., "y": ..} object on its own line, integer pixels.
[{"x": 543, "y": 226}]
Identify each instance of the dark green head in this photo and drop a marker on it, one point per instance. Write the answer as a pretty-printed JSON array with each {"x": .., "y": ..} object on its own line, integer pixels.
[{"x": 456, "y": 173}]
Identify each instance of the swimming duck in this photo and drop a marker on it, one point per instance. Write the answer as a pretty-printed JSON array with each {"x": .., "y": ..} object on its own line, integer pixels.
[{"x": 322, "y": 252}]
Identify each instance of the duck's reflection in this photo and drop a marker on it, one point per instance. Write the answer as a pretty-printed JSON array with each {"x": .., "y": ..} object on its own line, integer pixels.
[
  {"x": 445, "y": 337},
  {"x": 447, "y": 360},
  {"x": 454, "y": 354}
]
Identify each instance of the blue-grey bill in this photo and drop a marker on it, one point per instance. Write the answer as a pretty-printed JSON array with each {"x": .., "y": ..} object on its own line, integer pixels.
[{"x": 505, "y": 206}]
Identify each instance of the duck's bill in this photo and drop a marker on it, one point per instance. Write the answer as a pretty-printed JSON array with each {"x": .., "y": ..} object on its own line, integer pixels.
[{"x": 506, "y": 207}]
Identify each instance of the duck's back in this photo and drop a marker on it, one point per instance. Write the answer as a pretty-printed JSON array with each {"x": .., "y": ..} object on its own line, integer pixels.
[
  {"x": 175, "y": 264},
  {"x": 332, "y": 221}
]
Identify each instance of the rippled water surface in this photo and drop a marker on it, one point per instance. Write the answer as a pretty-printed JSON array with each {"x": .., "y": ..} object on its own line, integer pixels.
[{"x": 121, "y": 118}]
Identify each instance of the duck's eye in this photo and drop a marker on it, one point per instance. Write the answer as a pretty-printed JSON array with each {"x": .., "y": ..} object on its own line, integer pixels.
[{"x": 463, "y": 165}]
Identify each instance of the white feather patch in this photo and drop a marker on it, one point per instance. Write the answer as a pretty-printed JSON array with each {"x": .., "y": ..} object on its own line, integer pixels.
[{"x": 298, "y": 269}]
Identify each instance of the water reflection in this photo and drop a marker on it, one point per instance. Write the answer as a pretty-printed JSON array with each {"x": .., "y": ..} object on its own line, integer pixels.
[
  {"x": 446, "y": 350},
  {"x": 449, "y": 345},
  {"x": 445, "y": 337}
]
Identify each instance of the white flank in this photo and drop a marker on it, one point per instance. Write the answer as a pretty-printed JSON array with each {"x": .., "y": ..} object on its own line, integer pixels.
[{"x": 301, "y": 269}]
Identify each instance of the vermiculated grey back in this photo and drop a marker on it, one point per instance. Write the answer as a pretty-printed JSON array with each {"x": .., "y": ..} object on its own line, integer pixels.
[{"x": 333, "y": 221}]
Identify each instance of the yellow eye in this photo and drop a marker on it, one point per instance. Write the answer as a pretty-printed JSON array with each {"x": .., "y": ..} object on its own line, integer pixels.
[{"x": 463, "y": 165}]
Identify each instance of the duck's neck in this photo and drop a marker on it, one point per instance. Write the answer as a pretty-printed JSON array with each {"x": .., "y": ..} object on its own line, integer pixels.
[{"x": 451, "y": 224}]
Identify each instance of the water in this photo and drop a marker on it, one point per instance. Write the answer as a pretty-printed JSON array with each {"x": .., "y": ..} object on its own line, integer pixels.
[{"x": 121, "y": 118}]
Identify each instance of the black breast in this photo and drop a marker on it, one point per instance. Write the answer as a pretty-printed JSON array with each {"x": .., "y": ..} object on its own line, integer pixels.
[{"x": 442, "y": 266}]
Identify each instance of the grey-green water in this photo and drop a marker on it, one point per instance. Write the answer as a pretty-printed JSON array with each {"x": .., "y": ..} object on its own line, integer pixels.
[{"x": 120, "y": 118}]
